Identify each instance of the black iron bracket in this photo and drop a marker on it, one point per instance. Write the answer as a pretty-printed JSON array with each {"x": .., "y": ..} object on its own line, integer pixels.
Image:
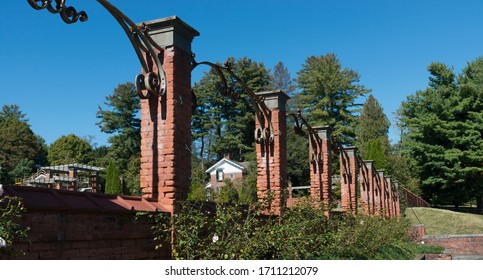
[
  {"x": 264, "y": 133},
  {"x": 314, "y": 138},
  {"x": 151, "y": 81}
]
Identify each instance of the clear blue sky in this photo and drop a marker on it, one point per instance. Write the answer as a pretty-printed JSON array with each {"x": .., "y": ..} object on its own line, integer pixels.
[{"x": 59, "y": 74}]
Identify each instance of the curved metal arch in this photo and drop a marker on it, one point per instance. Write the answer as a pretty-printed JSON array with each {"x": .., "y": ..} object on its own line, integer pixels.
[
  {"x": 314, "y": 138},
  {"x": 152, "y": 82},
  {"x": 263, "y": 134}
]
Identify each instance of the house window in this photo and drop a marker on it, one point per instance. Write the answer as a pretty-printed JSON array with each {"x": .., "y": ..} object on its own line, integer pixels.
[
  {"x": 219, "y": 175},
  {"x": 232, "y": 176}
]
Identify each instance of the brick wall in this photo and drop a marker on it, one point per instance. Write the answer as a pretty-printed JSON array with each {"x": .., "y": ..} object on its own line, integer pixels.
[
  {"x": 468, "y": 244},
  {"x": 75, "y": 225}
]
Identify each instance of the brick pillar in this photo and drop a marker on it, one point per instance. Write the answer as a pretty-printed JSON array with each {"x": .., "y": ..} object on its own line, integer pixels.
[
  {"x": 326, "y": 169},
  {"x": 73, "y": 174},
  {"x": 382, "y": 193},
  {"x": 397, "y": 201},
  {"x": 390, "y": 205},
  {"x": 349, "y": 173},
  {"x": 371, "y": 185},
  {"x": 321, "y": 170},
  {"x": 272, "y": 157},
  {"x": 166, "y": 120},
  {"x": 367, "y": 187}
]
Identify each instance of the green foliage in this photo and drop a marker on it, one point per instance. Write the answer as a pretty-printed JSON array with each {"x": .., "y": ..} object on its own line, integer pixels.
[
  {"x": 303, "y": 232},
  {"x": 122, "y": 120},
  {"x": 376, "y": 150},
  {"x": 329, "y": 94},
  {"x": 69, "y": 149},
  {"x": 248, "y": 189},
  {"x": 11, "y": 209},
  {"x": 298, "y": 168},
  {"x": 442, "y": 128},
  {"x": 228, "y": 193},
  {"x": 372, "y": 124},
  {"x": 113, "y": 184},
  {"x": 19, "y": 146}
]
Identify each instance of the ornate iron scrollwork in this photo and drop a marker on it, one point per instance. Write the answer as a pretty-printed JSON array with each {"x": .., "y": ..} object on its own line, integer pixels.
[
  {"x": 68, "y": 14},
  {"x": 153, "y": 81},
  {"x": 263, "y": 133},
  {"x": 315, "y": 141}
]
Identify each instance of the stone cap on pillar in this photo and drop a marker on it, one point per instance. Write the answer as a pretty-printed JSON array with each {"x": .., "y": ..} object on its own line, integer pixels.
[
  {"x": 380, "y": 172},
  {"x": 369, "y": 163},
  {"x": 388, "y": 179},
  {"x": 171, "y": 31},
  {"x": 274, "y": 99},
  {"x": 323, "y": 131},
  {"x": 351, "y": 151}
]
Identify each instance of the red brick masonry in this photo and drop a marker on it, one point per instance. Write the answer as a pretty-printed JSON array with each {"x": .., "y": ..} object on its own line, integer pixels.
[
  {"x": 76, "y": 225},
  {"x": 467, "y": 244}
]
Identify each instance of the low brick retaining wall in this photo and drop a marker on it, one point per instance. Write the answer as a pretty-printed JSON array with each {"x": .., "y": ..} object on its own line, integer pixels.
[{"x": 467, "y": 244}]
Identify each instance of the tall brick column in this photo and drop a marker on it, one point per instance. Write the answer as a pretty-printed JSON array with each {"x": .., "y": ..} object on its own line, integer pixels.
[
  {"x": 348, "y": 174},
  {"x": 321, "y": 171},
  {"x": 371, "y": 188},
  {"x": 390, "y": 204},
  {"x": 367, "y": 187},
  {"x": 398, "y": 206},
  {"x": 166, "y": 120},
  {"x": 382, "y": 193},
  {"x": 272, "y": 157}
]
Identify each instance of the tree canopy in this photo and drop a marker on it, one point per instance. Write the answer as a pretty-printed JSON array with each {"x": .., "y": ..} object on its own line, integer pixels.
[
  {"x": 328, "y": 95},
  {"x": 21, "y": 151},
  {"x": 442, "y": 129},
  {"x": 70, "y": 149},
  {"x": 121, "y": 119}
]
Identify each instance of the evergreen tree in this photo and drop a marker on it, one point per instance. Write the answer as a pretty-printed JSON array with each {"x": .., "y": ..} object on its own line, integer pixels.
[
  {"x": 113, "y": 182},
  {"x": 372, "y": 124},
  {"x": 442, "y": 129},
  {"x": 224, "y": 124},
  {"x": 122, "y": 120},
  {"x": 281, "y": 80},
  {"x": 328, "y": 95}
]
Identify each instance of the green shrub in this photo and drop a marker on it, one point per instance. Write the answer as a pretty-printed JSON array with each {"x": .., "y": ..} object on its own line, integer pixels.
[
  {"x": 11, "y": 208},
  {"x": 234, "y": 231}
]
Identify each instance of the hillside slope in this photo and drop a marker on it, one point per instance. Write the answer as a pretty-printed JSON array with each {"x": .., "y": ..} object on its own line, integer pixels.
[{"x": 439, "y": 222}]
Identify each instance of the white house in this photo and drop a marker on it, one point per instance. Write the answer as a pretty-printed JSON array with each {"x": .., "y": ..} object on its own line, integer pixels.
[{"x": 223, "y": 170}]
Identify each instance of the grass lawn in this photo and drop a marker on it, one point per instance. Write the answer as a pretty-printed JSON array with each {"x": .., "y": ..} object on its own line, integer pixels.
[{"x": 439, "y": 222}]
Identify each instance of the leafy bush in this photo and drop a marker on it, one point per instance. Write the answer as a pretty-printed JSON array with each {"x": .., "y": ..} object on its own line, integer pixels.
[
  {"x": 233, "y": 231},
  {"x": 11, "y": 208}
]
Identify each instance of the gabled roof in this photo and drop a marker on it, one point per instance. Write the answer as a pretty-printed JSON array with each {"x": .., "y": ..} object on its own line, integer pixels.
[{"x": 226, "y": 161}]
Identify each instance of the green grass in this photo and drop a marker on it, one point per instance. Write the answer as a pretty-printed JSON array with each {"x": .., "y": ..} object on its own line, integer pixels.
[{"x": 440, "y": 222}]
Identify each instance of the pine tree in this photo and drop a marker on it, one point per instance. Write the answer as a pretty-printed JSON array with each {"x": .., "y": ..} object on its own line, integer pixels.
[
  {"x": 281, "y": 79},
  {"x": 121, "y": 119},
  {"x": 442, "y": 130},
  {"x": 372, "y": 124},
  {"x": 328, "y": 95}
]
